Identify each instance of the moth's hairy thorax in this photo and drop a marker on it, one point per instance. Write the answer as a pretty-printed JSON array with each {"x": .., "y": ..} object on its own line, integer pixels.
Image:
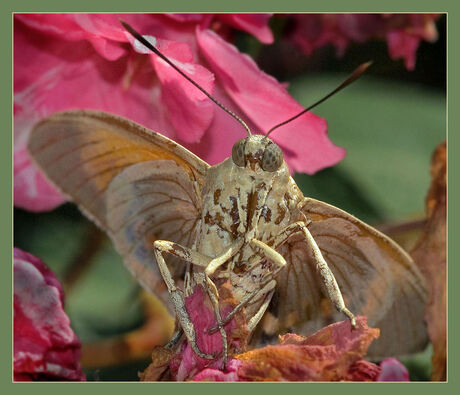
[{"x": 240, "y": 203}]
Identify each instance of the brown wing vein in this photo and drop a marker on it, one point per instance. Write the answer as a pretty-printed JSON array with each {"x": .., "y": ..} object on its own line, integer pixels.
[
  {"x": 70, "y": 151},
  {"x": 158, "y": 178},
  {"x": 147, "y": 192},
  {"x": 307, "y": 278},
  {"x": 167, "y": 236},
  {"x": 190, "y": 234},
  {"x": 170, "y": 200},
  {"x": 139, "y": 195},
  {"x": 100, "y": 173},
  {"x": 342, "y": 279},
  {"x": 140, "y": 212},
  {"x": 296, "y": 281},
  {"x": 328, "y": 235},
  {"x": 152, "y": 231},
  {"x": 288, "y": 272},
  {"x": 52, "y": 141},
  {"x": 119, "y": 153}
]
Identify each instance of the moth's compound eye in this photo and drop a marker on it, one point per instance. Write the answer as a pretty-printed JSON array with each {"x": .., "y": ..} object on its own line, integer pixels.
[
  {"x": 238, "y": 153},
  {"x": 273, "y": 158}
]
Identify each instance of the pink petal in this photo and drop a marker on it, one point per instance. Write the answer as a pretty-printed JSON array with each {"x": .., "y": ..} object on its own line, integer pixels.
[
  {"x": 363, "y": 370},
  {"x": 190, "y": 111},
  {"x": 359, "y": 27},
  {"x": 403, "y": 46},
  {"x": 186, "y": 364},
  {"x": 195, "y": 18},
  {"x": 31, "y": 190},
  {"x": 312, "y": 31},
  {"x": 45, "y": 347},
  {"x": 231, "y": 373},
  {"x": 224, "y": 131},
  {"x": 402, "y": 31},
  {"x": 393, "y": 370},
  {"x": 62, "y": 26},
  {"x": 105, "y": 33},
  {"x": 267, "y": 103},
  {"x": 107, "y": 26},
  {"x": 95, "y": 28},
  {"x": 255, "y": 24},
  {"x": 65, "y": 76}
]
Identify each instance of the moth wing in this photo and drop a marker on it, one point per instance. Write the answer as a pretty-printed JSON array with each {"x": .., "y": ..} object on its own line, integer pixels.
[
  {"x": 82, "y": 152},
  {"x": 148, "y": 201},
  {"x": 376, "y": 277}
]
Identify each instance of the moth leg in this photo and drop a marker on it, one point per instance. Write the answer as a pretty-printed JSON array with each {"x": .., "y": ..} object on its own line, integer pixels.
[
  {"x": 253, "y": 296},
  {"x": 269, "y": 253},
  {"x": 160, "y": 247},
  {"x": 220, "y": 326},
  {"x": 327, "y": 277},
  {"x": 224, "y": 257},
  {"x": 252, "y": 323},
  {"x": 188, "y": 285},
  {"x": 175, "y": 338},
  {"x": 213, "y": 265},
  {"x": 275, "y": 257},
  {"x": 219, "y": 260}
]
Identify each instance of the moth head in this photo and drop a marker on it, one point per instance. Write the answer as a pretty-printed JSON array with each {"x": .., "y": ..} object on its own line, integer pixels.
[{"x": 257, "y": 152}]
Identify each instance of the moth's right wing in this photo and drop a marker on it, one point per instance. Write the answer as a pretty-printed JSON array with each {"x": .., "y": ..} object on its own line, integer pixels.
[
  {"x": 376, "y": 277},
  {"x": 134, "y": 183}
]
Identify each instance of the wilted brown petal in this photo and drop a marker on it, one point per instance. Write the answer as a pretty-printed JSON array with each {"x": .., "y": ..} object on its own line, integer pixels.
[
  {"x": 430, "y": 255},
  {"x": 331, "y": 354}
]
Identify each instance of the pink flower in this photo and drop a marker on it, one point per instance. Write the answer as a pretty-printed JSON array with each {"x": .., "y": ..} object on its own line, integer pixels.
[
  {"x": 334, "y": 353},
  {"x": 393, "y": 370},
  {"x": 231, "y": 373},
  {"x": 185, "y": 364},
  {"x": 403, "y": 32},
  {"x": 45, "y": 347},
  {"x": 255, "y": 24},
  {"x": 64, "y": 61}
]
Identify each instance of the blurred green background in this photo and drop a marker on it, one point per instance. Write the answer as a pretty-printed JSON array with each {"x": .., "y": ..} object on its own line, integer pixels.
[{"x": 390, "y": 121}]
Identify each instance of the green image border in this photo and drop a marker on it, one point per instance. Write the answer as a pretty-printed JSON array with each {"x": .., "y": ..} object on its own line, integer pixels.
[{"x": 6, "y": 169}]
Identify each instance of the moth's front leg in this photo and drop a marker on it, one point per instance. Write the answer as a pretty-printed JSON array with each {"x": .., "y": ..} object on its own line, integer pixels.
[
  {"x": 219, "y": 260},
  {"x": 267, "y": 286},
  {"x": 210, "y": 265},
  {"x": 188, "y": 255},
  {"x": 327, "y": 277},
  {"x": 267, "y": 289}
]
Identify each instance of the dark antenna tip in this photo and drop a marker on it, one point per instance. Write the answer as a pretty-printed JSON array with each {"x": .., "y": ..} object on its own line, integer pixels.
[
  {"x": 358, "y": 72},
  {"x": 148, "y": 45}
]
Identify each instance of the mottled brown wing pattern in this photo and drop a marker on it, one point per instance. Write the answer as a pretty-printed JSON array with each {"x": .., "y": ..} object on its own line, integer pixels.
[
  {"x": 82, "y": 152},
  {"x": 376, "y": 277}
]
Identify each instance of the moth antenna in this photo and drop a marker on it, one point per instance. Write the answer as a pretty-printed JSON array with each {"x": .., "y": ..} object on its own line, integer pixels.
[
  {"x": 141, "y": 39},
  {"x": 354, "y": 76}
]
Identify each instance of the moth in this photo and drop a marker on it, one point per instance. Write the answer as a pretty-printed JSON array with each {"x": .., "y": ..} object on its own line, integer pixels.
[{"x": 179, "y": 222}]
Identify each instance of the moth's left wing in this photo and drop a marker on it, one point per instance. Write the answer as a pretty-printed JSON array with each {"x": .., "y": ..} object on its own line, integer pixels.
[
  {"x": 81, "y": 151},
  {"x": 136, "y": 184},
  {"x": 376, "y": 277}
]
